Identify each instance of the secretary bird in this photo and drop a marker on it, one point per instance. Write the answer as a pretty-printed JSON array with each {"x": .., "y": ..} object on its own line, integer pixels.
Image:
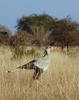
[{"x": 38, "y": 65}]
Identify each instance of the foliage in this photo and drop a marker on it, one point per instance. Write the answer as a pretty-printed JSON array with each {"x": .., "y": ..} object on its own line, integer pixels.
[
  {"x": 20, "y": 38},
  {"x": 38, "y": 26},
  {"x": 60, "y": 35},
  {"x": 35, "y": 23},
  {"x": 42, "y": 25},
  {"x": 40, "y": 30},
  {"x": 5, "y": 34},
  {"x": 4, "y": 30}
]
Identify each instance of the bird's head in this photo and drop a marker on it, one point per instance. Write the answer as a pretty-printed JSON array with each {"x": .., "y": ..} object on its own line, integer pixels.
[
  {"x": 47, "y": 50},
  {"x": 49, "y": 46}
]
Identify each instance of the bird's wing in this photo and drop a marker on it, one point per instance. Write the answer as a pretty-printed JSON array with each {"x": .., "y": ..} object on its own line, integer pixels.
[{"x": 28, "y": 65}]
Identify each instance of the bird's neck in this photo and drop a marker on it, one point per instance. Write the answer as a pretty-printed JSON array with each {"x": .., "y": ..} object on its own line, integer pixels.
[{"x": 48, "y": 51}]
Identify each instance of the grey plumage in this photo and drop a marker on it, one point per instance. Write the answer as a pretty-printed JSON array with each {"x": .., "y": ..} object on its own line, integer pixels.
[{"x": 38, "y": 65}]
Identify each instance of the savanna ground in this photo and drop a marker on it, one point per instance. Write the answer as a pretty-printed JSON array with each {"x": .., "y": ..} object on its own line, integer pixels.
[{"x": 59, "y": 82}]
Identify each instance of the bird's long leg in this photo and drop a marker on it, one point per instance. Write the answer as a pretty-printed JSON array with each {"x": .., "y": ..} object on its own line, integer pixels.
[{"x": 37, "y": 73}]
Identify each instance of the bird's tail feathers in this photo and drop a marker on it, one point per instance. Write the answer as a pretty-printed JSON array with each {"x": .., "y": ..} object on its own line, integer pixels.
[
  {"x": 11, "y": 71},
  {"x": 29, "y": 65}
]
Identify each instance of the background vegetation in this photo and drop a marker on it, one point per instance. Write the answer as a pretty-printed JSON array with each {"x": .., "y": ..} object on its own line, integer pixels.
[{"x": 40, "y": 30}]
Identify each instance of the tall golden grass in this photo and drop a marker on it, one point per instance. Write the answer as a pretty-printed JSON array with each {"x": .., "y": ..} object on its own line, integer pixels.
[{"x": 59, "y": 82}]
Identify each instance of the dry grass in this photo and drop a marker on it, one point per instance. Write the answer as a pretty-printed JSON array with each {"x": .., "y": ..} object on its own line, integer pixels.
[{"x": 59, "y": 82}]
